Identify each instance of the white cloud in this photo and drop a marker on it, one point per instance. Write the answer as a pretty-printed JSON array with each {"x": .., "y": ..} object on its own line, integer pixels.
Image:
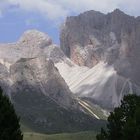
[
  {"x": 57, "y": 9},
  {"x": 50, "y": 9},
  {"x": 3, "y": 5}
]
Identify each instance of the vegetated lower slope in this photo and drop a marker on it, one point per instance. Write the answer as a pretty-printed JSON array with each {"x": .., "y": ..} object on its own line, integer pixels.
[
  {"x": 88, "y": 135},
  {"x": 31, "y": 135},
  {"x": 48, "y": 117}
]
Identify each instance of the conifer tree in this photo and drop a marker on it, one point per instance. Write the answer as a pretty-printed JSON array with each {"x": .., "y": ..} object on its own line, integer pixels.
[
  {"x": 124, "y": 121},
  {"x": 9, "y": 122}
]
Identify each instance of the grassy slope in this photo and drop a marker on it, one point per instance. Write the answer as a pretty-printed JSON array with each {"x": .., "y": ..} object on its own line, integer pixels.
[
  {"x": 25, "y": 128},
  {"x": 89, "y": 135},
  {"x": 29, "y": 134}
]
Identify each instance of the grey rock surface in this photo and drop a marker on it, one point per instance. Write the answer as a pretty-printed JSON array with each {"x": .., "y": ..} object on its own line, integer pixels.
[
  {"x": 41, "y": 74},
  {"x": 114, "y": 38},
  {"x": 31, "y": 44}
]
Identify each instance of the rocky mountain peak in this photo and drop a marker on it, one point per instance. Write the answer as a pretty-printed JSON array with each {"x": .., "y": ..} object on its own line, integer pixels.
[
  {"x": 117, "y": 11},
  {"x": 34, "y": 37},
  {"x": 92, "y": 39},
  {"x": 30, "y": 45}
]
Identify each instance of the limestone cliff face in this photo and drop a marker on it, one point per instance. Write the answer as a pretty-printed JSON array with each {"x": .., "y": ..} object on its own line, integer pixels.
[
  {"x": 114, "y": 38},
  {"x": 31, "y": 44},
  {"x": 40, "y": 75}
]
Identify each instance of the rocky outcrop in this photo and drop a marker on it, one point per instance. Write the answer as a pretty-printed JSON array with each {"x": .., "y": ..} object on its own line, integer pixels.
[
  {"x": 30, "y": 45},
  {"x": 40, "y": 75},
  {"x": 92, "y": 37},
  {"x": 34, "y": 38}
]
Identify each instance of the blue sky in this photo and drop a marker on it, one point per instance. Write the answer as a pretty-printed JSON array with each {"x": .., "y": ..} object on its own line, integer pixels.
[
  {"x": 14, "y": 22},
  {"x": 17, "y": 16}
]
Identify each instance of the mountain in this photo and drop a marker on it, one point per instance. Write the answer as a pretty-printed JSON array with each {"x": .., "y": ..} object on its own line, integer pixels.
[
  {"x": 40, "y": 95},
  {"x": 31, "y": 44},
  {"x": 108, "y": 44},
  {"x": 69, "y": 88}
]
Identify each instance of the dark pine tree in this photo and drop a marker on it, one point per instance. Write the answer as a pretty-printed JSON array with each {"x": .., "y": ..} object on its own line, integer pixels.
[
  {"x": 124, "y": 121},
  {"x": 9, "y": 122}
]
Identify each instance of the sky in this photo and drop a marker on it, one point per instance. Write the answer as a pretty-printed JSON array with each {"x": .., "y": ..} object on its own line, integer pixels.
[{"x": 17, "y": 16}]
